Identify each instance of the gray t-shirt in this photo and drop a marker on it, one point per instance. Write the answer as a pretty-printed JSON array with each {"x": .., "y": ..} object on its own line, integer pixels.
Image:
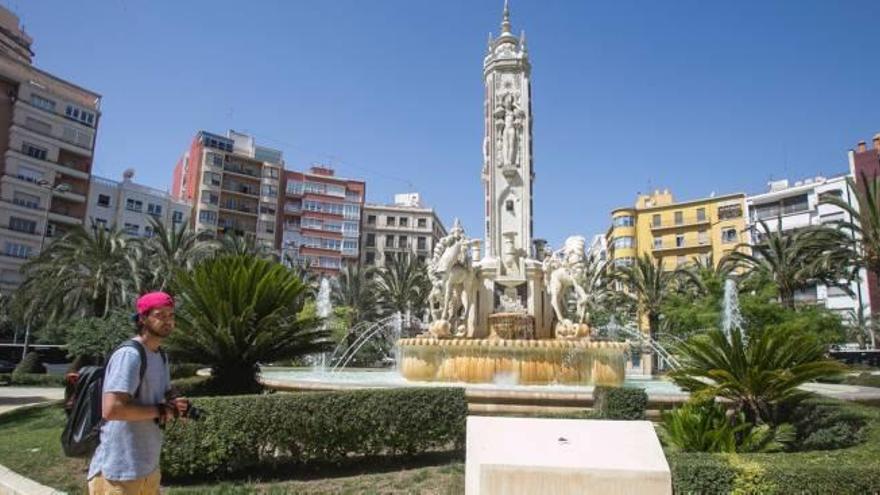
[{"x": 130, "y": 449}]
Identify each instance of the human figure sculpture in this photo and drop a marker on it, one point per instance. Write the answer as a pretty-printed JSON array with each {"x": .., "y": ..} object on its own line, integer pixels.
[
  {"x": 454, "y": 284},
  {"x": 562, "y": 270},
  {"x": 508, "y": 121}
]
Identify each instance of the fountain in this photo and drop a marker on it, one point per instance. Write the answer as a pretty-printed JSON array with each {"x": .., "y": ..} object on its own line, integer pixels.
[
  {"x": 324, "y": 309},
  {"x": 500, "y": 313},
  {"x": 731, "y": 318}
]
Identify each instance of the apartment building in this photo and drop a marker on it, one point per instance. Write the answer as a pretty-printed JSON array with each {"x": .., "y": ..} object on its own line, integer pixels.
[
  {"x": 405, "y": 226},
  {"x": 797, "y": 205},
  {"x": 47, "y": 144},
  {"x": 131, "y": 207},
  {"x": 677, "y": 232},
  {"x": 233, "y": 185},
  {"x": 319, "y": 223}
]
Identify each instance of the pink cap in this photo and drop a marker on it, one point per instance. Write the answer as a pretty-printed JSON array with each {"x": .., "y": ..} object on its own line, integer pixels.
[{"x": 153, "y": 300}]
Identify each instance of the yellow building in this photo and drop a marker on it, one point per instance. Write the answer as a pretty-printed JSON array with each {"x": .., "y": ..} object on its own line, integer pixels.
[{"x": 678, "y": 233}]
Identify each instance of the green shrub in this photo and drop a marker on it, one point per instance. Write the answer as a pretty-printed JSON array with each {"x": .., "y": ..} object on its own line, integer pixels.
[
  {"x": 850, "y": 470},
  {"x": 863, "y": 379},
  {"x": 196, "y": 386},
  {"x": 246, "y": 433},
  {"x": 184, "y": 370},
  {"x": 620, "y": 402},
  {"x": 822, "y": 424},
  {"x": 33, "y": 380},
  {"x": 31, "y": 364},
  {"x": 95, "y": 337}
]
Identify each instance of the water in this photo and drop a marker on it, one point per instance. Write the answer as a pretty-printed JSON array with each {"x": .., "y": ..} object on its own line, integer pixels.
[
  {"x": 325, "y": 308},
  {"x": 731, "y": 318},
  {"x": 388, "y": 329}
]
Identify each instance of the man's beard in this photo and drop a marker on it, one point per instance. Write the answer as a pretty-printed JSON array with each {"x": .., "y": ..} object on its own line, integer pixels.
[{"x": 159, "y": 334}]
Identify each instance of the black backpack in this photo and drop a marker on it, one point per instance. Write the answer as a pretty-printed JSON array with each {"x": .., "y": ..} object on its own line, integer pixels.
[{"x": 82, "y": 433}]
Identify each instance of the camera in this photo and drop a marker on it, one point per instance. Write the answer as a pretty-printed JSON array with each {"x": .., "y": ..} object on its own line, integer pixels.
[{"x": 193, "y": 413}]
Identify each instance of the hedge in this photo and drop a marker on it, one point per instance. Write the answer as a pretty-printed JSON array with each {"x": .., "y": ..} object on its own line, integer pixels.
[
  {"x": 852, "y": 470},
  {"x": 31, "y": 364},
  {"x": 32, "y": 379},
  {"x": 620, "y": 402},
  {"x": 238, "y": 435}
]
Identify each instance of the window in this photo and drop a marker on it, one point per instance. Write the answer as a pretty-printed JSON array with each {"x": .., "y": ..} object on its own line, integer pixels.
[
  {"x": 624, "y": 221},
  {"x": 104, "y": 200},
  {"x": 351, "y": 211},
  {"x": 177, "y": 217},
  {"x": 422, "y": 223},
  {"x": 132, "y": 228},
  {"x": 623, "y": 242},
  {"x": 27, "y": 200},
  {"x": 38, "y": 125},
  {"x": 508, "y": 205},
  {"x": 267, "y": 210},
  {"x": 679, "y": 218},
  {"x": 732, "y": 211},
  {"x": 701, "y": 214},
  {"x": 80, "y": 115},
  {"x": 402, "y": 242},
  {"x": 148, "y": 231},
  {"x": 703, "y": 237},
  {"x": 270, "y": 172},
  {"x": 29, "y": 174},
  {"x": 371, "y": 240},
  {"x": 404, "y": 222},
  {"x": 349, "y": 246},
  {"x": 390, "y": 221},
  {"x": 370, "y": 258},
  {"x": 100, "y": 223},
  {"x": 371, "y": 219},
  {"x": 209, "y": 217},
  {"x": 210, "y": 198},
  {"x": 389, "y": 241},
  {"x": 134, "y": 205},
  {"x": 17, "y": 250},
  {"x": 834, "y": 193},
  {"x": 22, "y": 225},
  {"x": 270, "y": 191},
  {"x": 41, "y": 102},
  {"x": 655, "y": 220},
  {"x": 422, "y": 243},
  {"x": 154, "y": 209},
  {"x": 658, "y": 243},
  {"x": 33, "y": 150},
  {"x": 215, "y": 159},
  {"x": 679, "y": 240},
  {"x": 729, "y": 236},
  {"x": 212, "y": 178}
]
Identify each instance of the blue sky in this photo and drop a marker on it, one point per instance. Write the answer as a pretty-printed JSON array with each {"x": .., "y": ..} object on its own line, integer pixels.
[{"x": 696, "y": 96}]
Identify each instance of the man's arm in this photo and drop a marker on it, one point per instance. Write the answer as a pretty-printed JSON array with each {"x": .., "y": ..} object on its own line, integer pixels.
[{"x": 118, "y": 406}]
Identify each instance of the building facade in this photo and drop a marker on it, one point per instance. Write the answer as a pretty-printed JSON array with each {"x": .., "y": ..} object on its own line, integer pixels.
[
  {"x": 865, "y": 161},
  {"x": 47, "y": 143},
  {"x": 233, "y": 184},
  {"x": 320, "y": 219},
  {"x": 404, "y": 227},
  {"x": 677, "y": 232},
  {"x": 131, "y": 207},
  {"x": 797, "y": 205}
]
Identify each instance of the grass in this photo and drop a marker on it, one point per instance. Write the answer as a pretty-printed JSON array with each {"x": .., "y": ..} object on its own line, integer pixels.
[{"x": 31, "y": 446}]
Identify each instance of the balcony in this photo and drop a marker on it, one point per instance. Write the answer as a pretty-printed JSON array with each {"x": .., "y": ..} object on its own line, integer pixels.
[
  {"x": 241, "y": 189},
  {"x": 686, "y": 222},
  {"x": 242, "y": 171},
  {"x": 67, "y": 169},
  {"x": 665, "y": 247}
]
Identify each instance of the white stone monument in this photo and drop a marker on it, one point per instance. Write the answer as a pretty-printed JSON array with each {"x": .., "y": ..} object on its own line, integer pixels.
[{"x": 519, "y": 456}]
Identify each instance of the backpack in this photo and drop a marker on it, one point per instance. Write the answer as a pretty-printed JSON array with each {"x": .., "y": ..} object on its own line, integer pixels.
[{"x": 82, "y": 433}]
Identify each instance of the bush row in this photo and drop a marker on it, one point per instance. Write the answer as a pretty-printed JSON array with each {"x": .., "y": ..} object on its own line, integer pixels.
[
  {"x": 32, "y": 379},
  {"x": 619, "y": 403},
  {"x": 245, "y": 433},
  {"x": 851, "y": 470}
]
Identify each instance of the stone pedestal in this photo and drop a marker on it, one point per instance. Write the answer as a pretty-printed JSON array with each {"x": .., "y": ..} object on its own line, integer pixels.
[{"x": 519, "y": 456}]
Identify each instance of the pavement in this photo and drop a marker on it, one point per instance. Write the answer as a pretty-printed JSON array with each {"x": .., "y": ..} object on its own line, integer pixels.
[{"x": 12, "y": 398}]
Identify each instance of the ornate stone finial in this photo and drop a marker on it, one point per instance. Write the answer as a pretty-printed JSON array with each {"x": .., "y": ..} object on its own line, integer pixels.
[
  {"x": 456, "y": 226},
  {"x": 505, "y": 20}
]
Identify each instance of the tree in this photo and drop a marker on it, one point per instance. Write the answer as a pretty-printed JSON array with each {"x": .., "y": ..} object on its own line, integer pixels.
[
  {"x": 234, "y": 312},
  {"x": 861, "y": 225},
  {"x": 86, "y": 272},
  {"x": 403, "y": 285},
  {"x": 355, "y": 288},
  {"x": 794, "y": 259},
  {"x": 169, "y": 250},
  {"x": 648, "y": 286},
  {"x": 757, "y": 374},
  {"x": 245, "y": 244},
  {"x": 94, "y": 338}
]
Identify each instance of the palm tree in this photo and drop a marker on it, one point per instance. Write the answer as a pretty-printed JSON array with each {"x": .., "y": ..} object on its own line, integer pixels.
[
  {"x": 403, "y": 284},
  {"x": 794, "y": 260},
  {"x": 758, "y": 375},
  {"x": 247, "y": 245},
  {"x": 237, "y": 311},
  {"x": 863, "y": 224},
  {"x": 356, "y": 289},
  {"x": 83, "y": 273},
  {"x": 169, "y": 250}
]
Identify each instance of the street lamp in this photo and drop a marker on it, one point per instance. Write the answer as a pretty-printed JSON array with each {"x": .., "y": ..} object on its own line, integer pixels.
[{"x": 61, "y": 188}]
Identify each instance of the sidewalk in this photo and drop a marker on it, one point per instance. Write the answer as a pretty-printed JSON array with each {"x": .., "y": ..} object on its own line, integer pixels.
[{"x": 15, "y": 397}]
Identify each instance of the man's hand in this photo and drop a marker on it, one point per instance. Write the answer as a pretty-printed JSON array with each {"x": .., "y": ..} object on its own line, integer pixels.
[{"x": 181, "y": 405}]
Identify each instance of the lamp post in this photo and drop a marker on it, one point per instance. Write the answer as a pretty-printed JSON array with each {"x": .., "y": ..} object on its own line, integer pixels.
[{"x": 52, "y": 189}]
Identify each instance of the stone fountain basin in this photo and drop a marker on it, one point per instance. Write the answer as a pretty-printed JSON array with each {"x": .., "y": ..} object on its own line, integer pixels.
[{"x": 518, "y": 362}]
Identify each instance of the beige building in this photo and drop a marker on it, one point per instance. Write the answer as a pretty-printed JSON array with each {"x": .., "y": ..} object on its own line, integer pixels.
[
  {"x": 406, "y": 226},
  {"x": 47, "y": 143}
]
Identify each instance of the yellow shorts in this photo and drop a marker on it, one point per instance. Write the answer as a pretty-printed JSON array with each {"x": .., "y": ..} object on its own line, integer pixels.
[{"x": 148, "y": 485}]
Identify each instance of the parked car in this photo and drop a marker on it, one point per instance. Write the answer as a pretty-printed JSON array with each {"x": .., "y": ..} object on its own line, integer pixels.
[{"x": 6, "y": 366}]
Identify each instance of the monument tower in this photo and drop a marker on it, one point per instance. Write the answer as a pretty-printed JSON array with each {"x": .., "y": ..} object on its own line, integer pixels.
[{"x": 507, "y": 151}]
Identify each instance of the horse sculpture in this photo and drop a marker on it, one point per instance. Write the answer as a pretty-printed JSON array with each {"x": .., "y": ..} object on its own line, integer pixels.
[
  {"x": 454, "y": 285},
  {"x": 562, "y": 270}
]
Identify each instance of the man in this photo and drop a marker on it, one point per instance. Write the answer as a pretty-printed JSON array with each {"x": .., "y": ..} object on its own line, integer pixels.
[{"x": 127, "y": 459}]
